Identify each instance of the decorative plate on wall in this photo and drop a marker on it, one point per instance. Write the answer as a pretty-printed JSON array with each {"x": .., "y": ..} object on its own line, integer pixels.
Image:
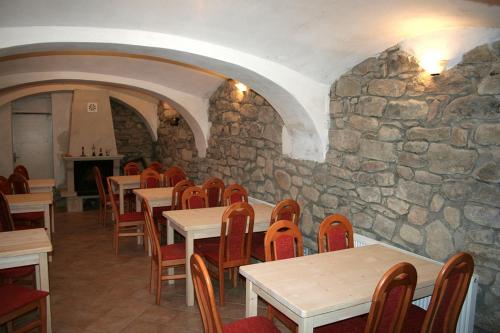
[{"x": 92, "y": 107}]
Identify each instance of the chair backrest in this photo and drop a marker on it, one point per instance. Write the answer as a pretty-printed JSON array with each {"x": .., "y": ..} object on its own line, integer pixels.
[
  {"x": 6, "y": 223},
  {"x": 22, "y": 170},
  {"x": 5, "y": 186},
  {"x": 335, "y": 233},
  {"x": 391, "y": 299},
  {"x": 177, "y": 192},
  {"x": 100, "y": 186},
  {"x": 283, "y": 240},
  {"x": 156, "y": 166},
  {"x": 234, "y": 193},
  {"x": 205, "y": 295},
  {"x": 287, "y": 209},
  {"x": 151, "y": 229},
  {"x": 173, "y": 175},
  {"x": 236, "y": 234},
  {"x": 214, "y": 187},
  {"x": 131, "y": 168},
  {"x": 449, "y": 294},
  {"x": 150, "y": 178},
  {"x": 19, "y": 184},
  {"x": 194, "y": 197},
  {"x": 114, "y": 207}
]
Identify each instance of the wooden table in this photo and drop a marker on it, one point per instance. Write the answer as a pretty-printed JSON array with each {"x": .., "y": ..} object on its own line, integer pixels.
[
  {"x": 41, "y": 185},
  {"x": 125, "y": 183},
  {"x": 33, "y": 202},
  {"x": 28, "y": 247},
  {"x": 205, "y": 223},
  {"x": 155, "y": 197},
  {"x": 324, "y": 288}
]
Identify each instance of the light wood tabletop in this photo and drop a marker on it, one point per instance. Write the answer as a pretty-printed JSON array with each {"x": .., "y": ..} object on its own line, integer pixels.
[
  {"x": 28, "y": 247},
  {"x": 41, "y": 184},
  {"x": 322, "y": 288},
  {"x": 156, "y": 196},
  {"x": 125, "y": 183},
  {"x": 204, "y": 223},
  {"x": 33, "y": 202}
]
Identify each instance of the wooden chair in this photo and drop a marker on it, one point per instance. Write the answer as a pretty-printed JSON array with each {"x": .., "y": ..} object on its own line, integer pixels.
[
  {"x": 234, "y": 193},
  {"x": 335, "y": 233},
  {"x": 233, "y": 247},
  {"x": 131, "y": 169},
  {"x": 104, "y": 198},
  {"x": 156, "y": 166},
  {"x": 194, "y": 197},
  {"x": 214, "y": 187},
  {"x": 6, "y": 221},
  {"x": 390, "y": 302},
  {"x": 162, "y": 257},
  {"x": 173, "y": 175},
  {"x": 283, "y": 240},
  {"x": 447, "y": 298},
  {"x": 22, "y": 170},
  {"x": 5, "y": 187},
  {"x": 18, "y": 300},
  {"x": 208, "y": 309},
  {"x": 150, "y": 179},
  {"x": 19, "y": 185},
  {"x": 287, "y": 209},
  {"x": 126, "y": 225},
  {"x": 178, "y": 191}
]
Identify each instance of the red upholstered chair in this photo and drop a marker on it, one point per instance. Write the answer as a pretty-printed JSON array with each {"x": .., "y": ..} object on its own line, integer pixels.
[
  {"x": 173, "y": 175},
  {"x": 163, "y": 257},
  {"x": 5, "y": 187},
  {"x": 156, "y": 166},
  {"x": 19, "y": 185},
  {"x": 17, "y": 300},
  {"x": 214, "y": 187},
  {"x": 22, "y": 170},
  {"x": 194, "y": 197},
  {"x": 335, "y": 233},
  {"x": 283, "y": 240},
  {"x": 234, "y": 193},
  {"x": 6, "y": 222},
  {"x": 104, "y": 198},
  {"x": 129, "y": 224},
  {"x": 390, "y": 302},
  {"x": 208, "y": 309},
  {"x": 233, "y": 248},
  {"x": 447, "y": 298},
  {"x": 287, "y": 209},
  {"x": 131, "y": 169},
  {"x": 178, "y": 191},
  {"x": 150, "y": 178}
]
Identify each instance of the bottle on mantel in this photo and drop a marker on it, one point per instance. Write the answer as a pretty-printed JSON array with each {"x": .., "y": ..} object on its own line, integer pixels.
[
  {"x": 83, "y": 151},
  {"x": 93, "y": 150},
  {"x": 100, "y": 151}
]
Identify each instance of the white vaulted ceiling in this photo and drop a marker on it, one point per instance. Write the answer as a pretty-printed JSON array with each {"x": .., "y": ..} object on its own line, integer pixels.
[{"x": 289, "y": 51}]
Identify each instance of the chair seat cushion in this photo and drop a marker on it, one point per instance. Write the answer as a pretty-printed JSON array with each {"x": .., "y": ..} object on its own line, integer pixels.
[
  {"x": 158, "y": 210},
  {"x": 251, "y": 325},
  {"x": 173, "y": 251},
  {"x": 414, "y": 319},
  {"x": 258, "y": 245},
  {"x": 131, "y": 216},
  {"x": 25, "y": 227},
  {"x": 351, "y": 325},
  {"x": 199, "y": 244},
  {"x": 31, "y": 216},
  {"x": 17, "y": 272},
  {"x": 209, "y": 250},
  {"x": 15, "y": 297}
]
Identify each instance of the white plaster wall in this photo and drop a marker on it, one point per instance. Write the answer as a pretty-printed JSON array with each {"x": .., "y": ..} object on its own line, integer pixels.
[
  {"x": 6, "y": 162},
  {"x": 91, "y": 128},
  {"x": 61, "y": 111},
  {"x": 39, "y": 103}
]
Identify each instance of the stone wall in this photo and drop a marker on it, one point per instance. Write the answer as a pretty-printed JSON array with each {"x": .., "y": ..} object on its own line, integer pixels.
[
  {"x": 132, "y": 136},
  {"x": 413, "y": 159}
]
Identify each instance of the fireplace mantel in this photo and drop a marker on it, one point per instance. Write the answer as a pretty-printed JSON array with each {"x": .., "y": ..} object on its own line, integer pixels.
[{"x": 92, "y": 158}]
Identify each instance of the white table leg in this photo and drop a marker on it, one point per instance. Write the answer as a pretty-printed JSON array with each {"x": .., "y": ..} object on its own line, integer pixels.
[
  {"x": 170, "y": 240},
  {"x": 43, "y": 279},
  {"x": 250, "y": 300},
  {"x": 306, "y": 325},
  {"x": 189, "y": 278},
  {"x": 52, "y": 218},
  {"x": 122, "y": 203},
  {"x": 46, "y": 220}
]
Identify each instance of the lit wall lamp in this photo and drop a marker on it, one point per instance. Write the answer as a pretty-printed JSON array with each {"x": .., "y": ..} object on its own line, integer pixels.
[
  {"x": 432, "y": 61},
  {"x": 170, "y": 114},
  {"x": 241, "y": 87}
]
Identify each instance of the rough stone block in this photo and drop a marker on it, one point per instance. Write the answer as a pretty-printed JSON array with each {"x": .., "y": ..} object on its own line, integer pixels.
[
  {"x": 407, "y": 110},
  {"x": 459, "y": 137},
  {"x": 483, "y": 215},
  {"x": 371, "y": 106},
  {"x": 483, "y": 236},
  {"x": 389, "y": 133},
  {"x": 437, "y": 203},
  {"x": 385, "y": 179},
  {"x": 362, "y": 220},
  {"x": 248, "y": 153},
  {"x": 413, "y": 192},
  {"x": 416, "y": 146},
  {"x": 348, "y": 86},
  {"x": 418, "y": 215},
  {"x": 429, "y": 134},
  {"x": 251, "y": 111},
  {"x": 373, "y": 166},
  {"x": 411, "y": 160},
  {"x": 488, "y": 172},
  {"x": 478, "y": 55},
  {"x": 411, "y": 235},
  {"x": 439, "y": 243},
  {"x": 384, "y": 227},
  {"x": 405, "y": 172},
  {"x": 488, "y": 134},
  {"x": 490, "y": 85},
  {"x": 386, "y": 87},
  {"x": 443, "y": 159},
  {"x": 328, "y": 200},
  {"x": 452, "y": 216},
  {"x": 346, "y": 140},
  {"x": 363, "y": 123},
  {"x": 380, "y": 151},
  {"x": 427, "y": 177},
  {"x": 480, "y": 107},
  {"x": 369, "y": 194},
  {"x": 399, "y": 206},
  {"x": 310, "y": 193}
]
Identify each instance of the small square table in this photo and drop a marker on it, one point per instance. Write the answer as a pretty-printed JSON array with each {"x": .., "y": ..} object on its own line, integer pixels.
[
  {"x": 33, "y": 202},
  {"x": 41, "y": 185},
  {"x": 125, "y": 183}
]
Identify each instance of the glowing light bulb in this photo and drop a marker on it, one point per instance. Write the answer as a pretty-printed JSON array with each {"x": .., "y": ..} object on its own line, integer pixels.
[
  {"x": 241, "y": 87},
  {"x": 432, "y": 61}
]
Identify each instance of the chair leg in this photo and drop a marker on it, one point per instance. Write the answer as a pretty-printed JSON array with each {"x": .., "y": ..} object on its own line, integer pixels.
[
  {"x": 158, "y": 281},
  {"x": 221, "y": 286},
  {"x": 151, "y": 277},
  {"x": 117, "y": 239},
  {"x": 105, "y": 214},
  {"x": 235, "y": 276},
  {"x": 43, "y": 314}
]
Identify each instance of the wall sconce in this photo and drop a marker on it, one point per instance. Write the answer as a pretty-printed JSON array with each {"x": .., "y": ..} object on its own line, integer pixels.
[
  {"x": 432, "y": 61},
  {"x": 170, "y": 114},
  {"x": 241, "y": 87}
]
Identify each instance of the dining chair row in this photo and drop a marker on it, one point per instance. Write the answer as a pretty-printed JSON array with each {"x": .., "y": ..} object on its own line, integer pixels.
[{"x": 132, "y": 168}]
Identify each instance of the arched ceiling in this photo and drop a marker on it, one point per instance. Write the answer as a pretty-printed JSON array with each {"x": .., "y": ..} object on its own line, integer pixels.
[{"x": 288, "y": 51}]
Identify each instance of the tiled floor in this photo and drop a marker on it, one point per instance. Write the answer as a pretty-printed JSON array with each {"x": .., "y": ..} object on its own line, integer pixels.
[{"x": 92, "y": 290}]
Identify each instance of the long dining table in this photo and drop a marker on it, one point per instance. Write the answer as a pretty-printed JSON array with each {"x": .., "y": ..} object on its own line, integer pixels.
[
  {"x": 319, "y": 289},
  {"x": 205, "y": 223}
]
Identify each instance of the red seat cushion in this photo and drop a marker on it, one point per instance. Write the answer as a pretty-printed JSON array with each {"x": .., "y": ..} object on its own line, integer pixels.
[
  {"x": 25, "y": 227},
  {"x": 131, "y": 216},
  {"x": 258, "y": 245},
  {"x": 31, "y": 216},
  {"x": 251, "y": 325},
  {"x": 414, "y": 319},
  {"x": 158, "y": 210},
  {"x": 351, "y": 325},
  {"x": 199, "y": 244},
  {"x": 210, "y": 251},
  {"x": 173, "y": 251},
  {"x": 15, "y": 297},
  {"x": 17, "y": 272}
]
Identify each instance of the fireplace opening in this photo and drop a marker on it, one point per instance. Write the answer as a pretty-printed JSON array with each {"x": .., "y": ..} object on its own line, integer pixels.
[{"x": 84, "y": 177}]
